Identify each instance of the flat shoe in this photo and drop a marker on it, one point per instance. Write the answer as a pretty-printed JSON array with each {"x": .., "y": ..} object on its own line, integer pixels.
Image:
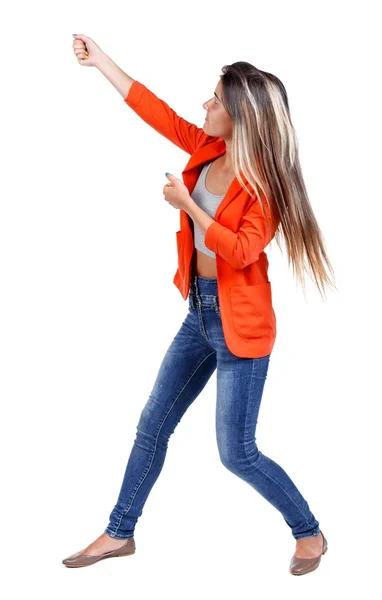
[
  {"x": 84, "y": 560},
  {"x": 300, "y": 566}
]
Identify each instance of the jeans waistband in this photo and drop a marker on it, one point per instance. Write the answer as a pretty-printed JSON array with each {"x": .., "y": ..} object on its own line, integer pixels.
[{"x": 203, "y": 287}]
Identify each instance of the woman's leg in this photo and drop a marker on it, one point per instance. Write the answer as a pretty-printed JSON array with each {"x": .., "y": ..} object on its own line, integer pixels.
[
  {"x": 185, "y": 369},
  {"x": 240, "y": 384}
]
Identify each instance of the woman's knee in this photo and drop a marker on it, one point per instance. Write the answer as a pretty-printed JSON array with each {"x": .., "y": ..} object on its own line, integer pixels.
[
  {"x": 238, "y": 457},
  {"x": 150, "y": 427}
]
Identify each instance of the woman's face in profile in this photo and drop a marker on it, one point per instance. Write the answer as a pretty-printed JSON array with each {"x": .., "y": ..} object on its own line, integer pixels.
[{"x": 218, "y": 122}]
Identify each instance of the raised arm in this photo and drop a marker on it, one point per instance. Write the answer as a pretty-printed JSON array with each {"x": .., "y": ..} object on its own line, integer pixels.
[
  {"x": 154, "y": 111},
  {"x": 159, "y": 115},
  {"x": 118, "y": 78}
]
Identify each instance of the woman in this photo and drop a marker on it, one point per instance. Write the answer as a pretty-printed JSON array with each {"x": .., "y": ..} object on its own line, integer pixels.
[{"x": 242, "y": 182}]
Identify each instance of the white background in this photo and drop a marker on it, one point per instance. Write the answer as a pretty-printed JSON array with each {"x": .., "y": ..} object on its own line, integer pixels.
[{"x": 88, "y": 307}]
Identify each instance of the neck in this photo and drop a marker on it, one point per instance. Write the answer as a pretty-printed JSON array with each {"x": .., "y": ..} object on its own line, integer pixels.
[{"x": 226, "y": 158}]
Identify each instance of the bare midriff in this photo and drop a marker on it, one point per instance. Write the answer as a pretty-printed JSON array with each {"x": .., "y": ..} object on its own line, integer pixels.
[
  {"x": 205, "y": 265},
  {"x": 217, "y": 182}
]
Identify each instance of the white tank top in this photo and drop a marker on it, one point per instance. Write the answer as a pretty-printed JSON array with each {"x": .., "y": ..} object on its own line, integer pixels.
[{"x": 207, "y": 202}]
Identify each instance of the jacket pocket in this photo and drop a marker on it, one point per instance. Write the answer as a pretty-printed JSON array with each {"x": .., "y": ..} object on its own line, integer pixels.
[{"x": 251, "y": 309}]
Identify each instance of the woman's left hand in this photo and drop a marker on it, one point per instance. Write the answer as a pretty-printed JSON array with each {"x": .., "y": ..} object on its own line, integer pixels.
[{"x": 176, "y": 193}]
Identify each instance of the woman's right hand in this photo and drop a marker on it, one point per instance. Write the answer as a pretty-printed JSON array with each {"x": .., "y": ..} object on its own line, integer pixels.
[{"x": 86, "y": 50}]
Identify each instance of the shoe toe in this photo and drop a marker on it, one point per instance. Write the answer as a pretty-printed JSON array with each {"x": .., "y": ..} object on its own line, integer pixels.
[
  {"x": 79, "y": 560},
  {"x": 71, "y": 557},
  {"x": 299, "y": 566}
]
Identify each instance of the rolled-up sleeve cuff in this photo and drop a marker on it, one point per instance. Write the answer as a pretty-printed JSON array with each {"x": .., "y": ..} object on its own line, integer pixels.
[
  {"x": 212, "y": 235},
  {"x": 134, "y": 96}
]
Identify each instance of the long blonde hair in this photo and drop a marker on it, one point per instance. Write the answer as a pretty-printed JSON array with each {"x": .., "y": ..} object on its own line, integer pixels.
[{"x": 265, "y": 150}]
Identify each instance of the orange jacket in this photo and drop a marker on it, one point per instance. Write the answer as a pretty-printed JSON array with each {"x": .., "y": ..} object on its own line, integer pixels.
[{"x": 238, "y": 234}]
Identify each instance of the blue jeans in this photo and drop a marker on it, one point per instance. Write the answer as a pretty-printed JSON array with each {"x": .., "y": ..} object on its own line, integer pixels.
[{"x": 192, "y": 357}]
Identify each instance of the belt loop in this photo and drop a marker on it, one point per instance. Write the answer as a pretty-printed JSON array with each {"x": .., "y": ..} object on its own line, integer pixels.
[
  {"x": 193, "y": 292},
  {"x": 197, "y": 295},
  {"x": 196, "y": 285}
]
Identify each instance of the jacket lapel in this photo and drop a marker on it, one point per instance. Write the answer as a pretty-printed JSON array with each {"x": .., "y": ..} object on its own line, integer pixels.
[{"x": 192, "y": 170}]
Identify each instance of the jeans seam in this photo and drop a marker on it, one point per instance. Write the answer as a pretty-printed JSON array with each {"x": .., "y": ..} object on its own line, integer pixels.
[
  {"x": 277, "y": 482},
  {"x": 259, "y": 456},
  {"x": 156, "y": 440},
  {"x": 202, "y": 327}
]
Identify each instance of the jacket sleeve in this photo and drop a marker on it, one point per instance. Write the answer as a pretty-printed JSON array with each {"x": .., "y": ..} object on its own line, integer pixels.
[
  {"x": 244, "y": 247},
  {"x": 158, "y": 114}
]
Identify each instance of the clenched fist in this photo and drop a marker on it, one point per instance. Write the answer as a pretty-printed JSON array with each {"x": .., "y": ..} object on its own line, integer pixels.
[
  {"x": 176, "y": 193},
  {"x": 86, "y": 50}
]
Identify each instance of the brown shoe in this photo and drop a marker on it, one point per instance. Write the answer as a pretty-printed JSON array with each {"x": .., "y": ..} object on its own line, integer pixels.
[
  {"x": 84, "y": 560},
  {"x": 300, "y": 566}
]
